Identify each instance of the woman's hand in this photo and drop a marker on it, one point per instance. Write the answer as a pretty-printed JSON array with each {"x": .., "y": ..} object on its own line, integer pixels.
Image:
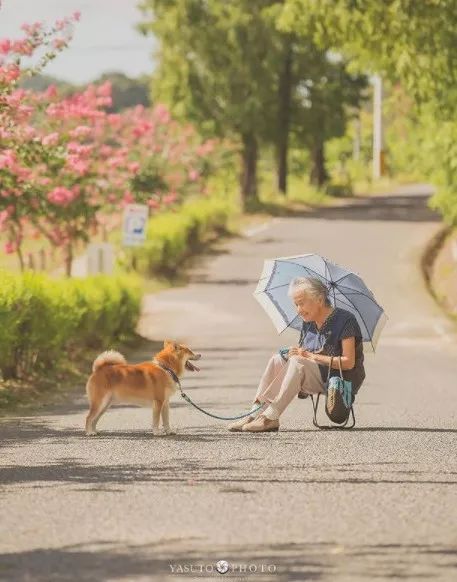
[{"x": 301, "y": 352}]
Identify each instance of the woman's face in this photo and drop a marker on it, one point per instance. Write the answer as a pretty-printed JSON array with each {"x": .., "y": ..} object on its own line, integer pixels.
[{"x": 308, "y": 308}]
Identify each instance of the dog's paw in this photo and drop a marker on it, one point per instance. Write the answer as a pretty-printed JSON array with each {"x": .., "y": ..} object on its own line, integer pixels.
[
  {"x": 92, "y": 433},
  {"x": 157, "y": 432},
  {"x": 167, "y": 431}
]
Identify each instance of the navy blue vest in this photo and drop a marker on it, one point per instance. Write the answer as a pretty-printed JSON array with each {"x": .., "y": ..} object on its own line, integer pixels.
[{"x": 328, "y": 342}]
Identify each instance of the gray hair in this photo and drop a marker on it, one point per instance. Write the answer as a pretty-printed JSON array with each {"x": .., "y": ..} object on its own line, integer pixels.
[{"x": 312, "y": 287}]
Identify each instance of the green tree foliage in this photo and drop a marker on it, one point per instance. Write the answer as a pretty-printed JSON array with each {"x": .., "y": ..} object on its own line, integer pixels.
[
  {"x": 41, "y": 82},
  {"x": 412, "y": 41},
  {"x": 227, "y": 67},
  {"x": 404, "y": 40},
  {"x": 126, "y": 92},
  {"x": 216, "y": 68},
  {"x": 325, "y": 99}
]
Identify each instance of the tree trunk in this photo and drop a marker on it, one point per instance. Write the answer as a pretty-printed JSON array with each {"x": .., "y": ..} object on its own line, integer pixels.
[
  {"x": 68, "y": 259},
  {"x": 284, "y": 96},
  {"x": 248, "y": 178},
  {"x": 20, "y": 258},
  {"x": 318, "y": 175}
]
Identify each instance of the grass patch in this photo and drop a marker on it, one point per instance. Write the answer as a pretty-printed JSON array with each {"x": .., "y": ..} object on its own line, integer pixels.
[{"x": 36, "y": 391}]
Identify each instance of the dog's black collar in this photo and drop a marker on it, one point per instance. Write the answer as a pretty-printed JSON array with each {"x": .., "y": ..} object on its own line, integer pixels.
[{"x": 169, "y": 370}]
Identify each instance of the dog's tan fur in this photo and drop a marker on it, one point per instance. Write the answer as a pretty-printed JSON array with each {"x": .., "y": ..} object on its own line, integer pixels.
[{"x": 146, "y": 384}]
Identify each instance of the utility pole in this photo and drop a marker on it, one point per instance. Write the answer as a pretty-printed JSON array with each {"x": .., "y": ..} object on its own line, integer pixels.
[
  {"x": 357, "y": 138},
  {"x": 378, "y": 138}
]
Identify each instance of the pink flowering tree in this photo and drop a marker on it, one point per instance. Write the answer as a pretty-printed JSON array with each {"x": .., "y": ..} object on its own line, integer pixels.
[
  {"x": 173, "y": 161},
  {"x": 68, "y": 167},
  {"x": 85, "y": 173},
  {"x": 21, "y": 149}
]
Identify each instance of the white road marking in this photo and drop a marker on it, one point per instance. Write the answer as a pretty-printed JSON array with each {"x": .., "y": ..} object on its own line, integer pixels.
[{"x": 260, "y": 228}]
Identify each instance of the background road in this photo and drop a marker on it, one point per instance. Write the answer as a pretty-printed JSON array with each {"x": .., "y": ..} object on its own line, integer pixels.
[{"x": 378, "y": 502}]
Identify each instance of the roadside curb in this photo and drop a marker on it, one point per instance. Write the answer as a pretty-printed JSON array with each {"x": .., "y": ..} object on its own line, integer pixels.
[{"x": 428, "y": 257}]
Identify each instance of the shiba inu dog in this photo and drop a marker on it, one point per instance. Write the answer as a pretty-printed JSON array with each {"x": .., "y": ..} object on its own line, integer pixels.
[{"x": 146, "y": 384}]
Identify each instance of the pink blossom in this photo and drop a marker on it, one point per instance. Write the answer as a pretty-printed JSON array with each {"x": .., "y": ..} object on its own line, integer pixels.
[
  {"x": 162, "y": 113},
  {"x": 128, "y": 197},
  {"x": 142, "y": 128},
  {"x": 152, "y": 203},
  {"x": 133, "y": 167},
  {"x": 114, "y": 119},
  {"x": 77, "y": 165},
  {"x": 193, "y": 175},
  {"x": 206, "y": 148},
  {"x": 5, "y": 134},
  {"x": 59, "y": 43},
  {"x": 114, "y": 162},
  {"x": 32, "y": 29},
  {"x": 81, "y": 131},
  {"x": 22, "y": 47},
  {"x": 4, "y": 215},
  {"x": 61, "y": 196},
  {"x": 24, "y": 111},
  {"x": 16, "y": 97},
  {"x": 7, "y": 159},
  {"x": 50, "y": 140},
  {"x": 10, "y": 248},
  {"x": 170, "y": 198},
  {"x": 74, "y": 147},
  {"x": 5, "y": 46},
  {"x": 51, "y": 92},
  {"x": 57, "y": 236},
  {"x": 76, "y": 15},
  {"x": 29, "y": 132},
  {"x": 10, "y": 73},
  {"x": 104, "y": 90}
]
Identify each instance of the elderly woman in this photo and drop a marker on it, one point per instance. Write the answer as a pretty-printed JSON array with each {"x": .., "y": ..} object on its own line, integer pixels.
[{"x": 327, "y": 331}]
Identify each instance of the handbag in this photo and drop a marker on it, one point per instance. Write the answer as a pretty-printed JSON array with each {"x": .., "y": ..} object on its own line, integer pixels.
[{"x": 338, "y": 399}]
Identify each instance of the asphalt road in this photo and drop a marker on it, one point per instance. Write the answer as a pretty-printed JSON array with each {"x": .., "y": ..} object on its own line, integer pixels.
[{"x": 378, "y": 502}]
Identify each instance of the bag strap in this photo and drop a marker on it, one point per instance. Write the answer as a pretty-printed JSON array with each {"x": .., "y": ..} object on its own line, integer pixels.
[
  {"x": 333, "y": 426},
  {"x": 330, "y": 368},
  {"x": 341, "y": 369}
]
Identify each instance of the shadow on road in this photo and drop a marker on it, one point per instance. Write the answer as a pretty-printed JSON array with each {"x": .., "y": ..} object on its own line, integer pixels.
[
  {"x": 21, "y": 431},
  {"x": 395, "y": 207},
  {"x": 108, "y": 560},
  {"x": 102, "y": 478},
  {"x": 409, "y": 207}
]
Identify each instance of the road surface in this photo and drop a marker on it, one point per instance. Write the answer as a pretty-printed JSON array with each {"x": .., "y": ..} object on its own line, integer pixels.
[{"x": 378, "y": 502}]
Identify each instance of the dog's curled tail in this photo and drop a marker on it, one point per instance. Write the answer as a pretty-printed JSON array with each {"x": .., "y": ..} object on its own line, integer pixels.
[{"x": 108, "y": 358}]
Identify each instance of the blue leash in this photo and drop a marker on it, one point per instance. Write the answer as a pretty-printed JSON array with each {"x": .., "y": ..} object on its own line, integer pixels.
[{"x": 188, "y": 399}]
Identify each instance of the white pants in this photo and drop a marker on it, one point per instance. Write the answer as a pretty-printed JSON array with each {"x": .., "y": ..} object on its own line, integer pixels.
[{"x": 282, "y": 381}]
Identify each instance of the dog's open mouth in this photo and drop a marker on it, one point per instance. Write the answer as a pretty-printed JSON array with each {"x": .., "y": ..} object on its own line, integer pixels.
[{"x": 192, "y": 367}]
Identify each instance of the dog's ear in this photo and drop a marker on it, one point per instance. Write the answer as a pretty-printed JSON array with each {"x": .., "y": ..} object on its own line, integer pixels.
[{"x": 170, "y": 343}]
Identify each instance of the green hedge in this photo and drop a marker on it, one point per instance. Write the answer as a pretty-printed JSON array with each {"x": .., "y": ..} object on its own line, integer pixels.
[
  {"x": 41, "y": 318},
  {"x": 174, "y": 235}
]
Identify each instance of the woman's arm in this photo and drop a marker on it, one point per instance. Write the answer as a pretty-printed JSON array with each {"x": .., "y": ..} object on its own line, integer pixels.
[{"x": 347, "y": 357}]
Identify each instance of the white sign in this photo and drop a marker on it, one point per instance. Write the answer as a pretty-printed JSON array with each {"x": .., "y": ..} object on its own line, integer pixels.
[
  {"x": 100, "y": 258},
  {"x": 134, "y": 224}
]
